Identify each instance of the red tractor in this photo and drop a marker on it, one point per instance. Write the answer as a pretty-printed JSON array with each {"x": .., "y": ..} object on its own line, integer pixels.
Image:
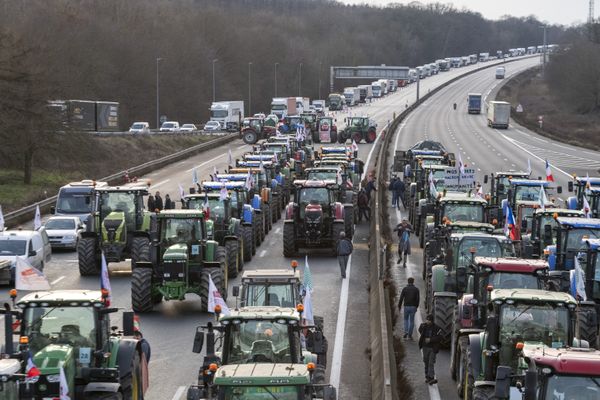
[{"x": 254, "y": 129}]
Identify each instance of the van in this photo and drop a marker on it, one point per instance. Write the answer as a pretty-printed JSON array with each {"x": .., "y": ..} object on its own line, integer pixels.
[{"x": 33, "y": 246}]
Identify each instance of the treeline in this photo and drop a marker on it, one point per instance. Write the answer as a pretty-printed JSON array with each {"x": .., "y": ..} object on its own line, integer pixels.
[{"x": 108, "y": 50}]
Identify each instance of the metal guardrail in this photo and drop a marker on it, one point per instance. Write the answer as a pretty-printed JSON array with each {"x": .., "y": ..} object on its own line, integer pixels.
[
  {"x": 154, "y": 132},
  {"x": 27, "y": 213},
  {"x": 383, "y": 359}
]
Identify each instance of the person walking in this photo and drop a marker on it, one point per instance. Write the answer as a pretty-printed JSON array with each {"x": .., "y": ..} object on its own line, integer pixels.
[
  {"x": 145, "y": 346},
  {"x": 399, "y": 189},
  {"x": 409, "y": 297},
  {"x": 169, "y": 205},
  {"x": 344, "y": 249},
  {"x": 363, "y": 205},
  {"x": 151, "y": 203},
  {"x": 391, "y": 189},
  {"x": 404, "y": 229},
  {"x": 158, "y": 201},
  {"x": 429, "y": 343},
  {"x": 370, "y": 186}
]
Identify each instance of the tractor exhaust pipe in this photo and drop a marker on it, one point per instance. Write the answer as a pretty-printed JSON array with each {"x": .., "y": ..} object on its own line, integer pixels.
[{"x": 9, "y": 347}]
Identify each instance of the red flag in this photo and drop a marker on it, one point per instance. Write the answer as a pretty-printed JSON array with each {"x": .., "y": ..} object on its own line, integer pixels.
[{"x": 549, "y": 176}]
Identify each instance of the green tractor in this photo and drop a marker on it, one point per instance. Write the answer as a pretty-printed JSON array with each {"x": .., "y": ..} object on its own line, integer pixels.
[
  {"x": 183, "y": 260},
  {"x": 71, "y": 329},
  {"x": 358, "y": 129},
  {"x": 118, "y": 228}
]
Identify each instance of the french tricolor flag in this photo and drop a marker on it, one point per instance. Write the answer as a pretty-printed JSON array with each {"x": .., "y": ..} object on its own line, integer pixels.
[
  {"x": 31, "y": 370},
  {"x": 510, "y": 230},
  {"x": 549, "y": 176}
]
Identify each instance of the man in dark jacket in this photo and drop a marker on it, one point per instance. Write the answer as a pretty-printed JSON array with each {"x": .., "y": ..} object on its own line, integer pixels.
[
  {"x": 344, "y": 249},
  {"x": 429, "y": 343},
  {"x": 370, "y": 186},
  {"x": 410, "y": 298},
  {"x": 168, "y": 202},
  {"x": 158, "y": 201},
  {"x": 151, "y": 203},
  {"x": 363, "y": 205},
  {"x": 399, "y": 189}
]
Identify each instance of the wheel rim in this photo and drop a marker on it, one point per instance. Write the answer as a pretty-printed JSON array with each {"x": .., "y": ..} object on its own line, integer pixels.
[{"x": 135, "y": 390}]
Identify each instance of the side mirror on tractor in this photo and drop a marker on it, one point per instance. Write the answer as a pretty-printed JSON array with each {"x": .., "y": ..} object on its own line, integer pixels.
[
  {"x": 485, "y": 179},
  {"x": 570, "y": 186},
  {"x": 198, "y": 341},
  {"x": 559, "y": 190},
  {"x": 235, "y": 291}
]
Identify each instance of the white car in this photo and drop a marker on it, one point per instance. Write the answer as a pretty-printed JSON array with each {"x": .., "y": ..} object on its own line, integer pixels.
[
  {"x": 212, "y": 126},
  {"x": 188, "y": 128},
  {"x": 64, "y": 232},
  {"x": 34, "y": 246},
  {"x": 259, "y": 115},
  {"x": 139, "y": 127},
  {"x": 170, "y": 126}
]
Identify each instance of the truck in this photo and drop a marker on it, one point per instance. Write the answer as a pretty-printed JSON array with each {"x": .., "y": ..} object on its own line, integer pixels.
[
  {"x": 384, "y": 86},
  {"x": 474, "y": 103},
  {"x": 283, "y": 106},
  {"x": 319, "y": 105},
  {"x": 376, "y": 89},
  {"x": 352, "y": 96},
  {"x": 483, "y": 57},
  {"x": 302, "y": 105},
  {"x": 366, "y": 93},
  {"x": 392, "y": 85},
  {"x": 85, "y": 115},
  {"x": 473, "y": 58},
  {"x": 229, "y": 114},
  {"x": 498, "y": 114},
  {"x": 500, "y": 72},
  {"x": 443, "y": 65},
  {"x": 335, "y": 102}
]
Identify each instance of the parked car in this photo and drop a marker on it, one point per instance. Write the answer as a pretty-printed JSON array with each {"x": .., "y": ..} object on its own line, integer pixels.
[
  {"x": 170, "y": 126},
  {"x": 139, "y": 127},
  {"x": 34, "y": 246},
  {"x": 212, "y": 126},
  {"x": 188, "y": 128},
  {"x": 64, "y": 232}
]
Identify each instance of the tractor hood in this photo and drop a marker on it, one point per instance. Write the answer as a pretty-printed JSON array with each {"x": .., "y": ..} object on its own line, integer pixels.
[
  {"x": 177, "y": 251},
  {"x": 262, "y": 375},
  {"x": 50, "y": 358}
]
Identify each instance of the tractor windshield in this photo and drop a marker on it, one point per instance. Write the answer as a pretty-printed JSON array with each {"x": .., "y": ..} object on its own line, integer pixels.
[
  {"x": 314, "y": 195},
  {"x": 596, "y": 277},
  {"x": 261, "y": 392},
  {"x": 323, "y": 175},
  {"x": 217, "y": 209},
  {"x": 547, "y": 219},
  {"x": 260, "y": 341},
  {"x": 511, "y": 280},
  {"x": 527, "y": 216},
  {"x": 277, "y": 295},
  {"x": 484, "y": 246},
  {"x": 356, "y": 122},
  {"x": 572, "y": 387},
  {"x": 463, "y": 212},
  {"x": 117, "y": 201},
  {"x": 75, "y": 326},
  {"x": 528, "y": 193},
  {"x": 575, "y": 236},
  {"x": 181, "y": 230},
  {"x": 195, "y": 203}
]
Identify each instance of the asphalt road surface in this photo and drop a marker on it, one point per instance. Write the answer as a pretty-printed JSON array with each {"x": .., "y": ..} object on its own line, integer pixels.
[{"x": 343, "y": 303}]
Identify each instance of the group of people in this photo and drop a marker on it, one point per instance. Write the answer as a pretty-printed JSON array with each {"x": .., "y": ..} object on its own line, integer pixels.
[{"x": 156, "y": 202}]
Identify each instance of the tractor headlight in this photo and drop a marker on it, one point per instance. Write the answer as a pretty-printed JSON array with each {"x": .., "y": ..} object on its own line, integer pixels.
[
  {"x": 32, "y": 379},
  {"x": 53, "y": 378}
]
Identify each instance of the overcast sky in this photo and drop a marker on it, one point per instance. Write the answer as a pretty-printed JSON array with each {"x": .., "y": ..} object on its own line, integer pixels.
[{"x": 563, "y": 12}]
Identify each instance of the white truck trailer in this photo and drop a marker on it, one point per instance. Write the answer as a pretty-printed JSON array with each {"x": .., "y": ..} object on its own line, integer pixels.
[
  {"x": 498, "y": 114},
  {"x": 229, "y": 114}
]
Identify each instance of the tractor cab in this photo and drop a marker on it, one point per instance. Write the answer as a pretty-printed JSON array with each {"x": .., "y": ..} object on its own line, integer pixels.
[
  {"x": 570, "y": 234},
  {"x": 588, "y": 187},
  {"x": 526, "y": 190},
  {"x": 590, "y": 263},
  {"x": 500, "y": 183},
  {"x": 543, "y": 230},
  {"x": 271, "y": 287}
]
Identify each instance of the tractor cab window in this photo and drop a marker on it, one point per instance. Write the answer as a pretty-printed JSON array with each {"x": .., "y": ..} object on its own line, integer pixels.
[
  {"x": 572, "y": 238},
  {"x": 195, "y": 203},
  {"x": 527, "y": 193},
  {"x": 539, "y": 231},
  {"x": 572, "y": 387},
  {"x": 527, "y": 215},
  {"x": 217, "y": 209},
  {"x": 323, "y": 175},
  {"x": 510, "y": 280},
  {"x": 255, "y": 123},
  {"x": 485, "y": 247},
  {"x": 314, "y": 195},
  {"x": 75, "y": 326},
  {"x": 283, "y": 392},
  {"x": 259, "y": 341},
  {"x": 276, "y": 295},
  {"x": 117, "y": 201},
  {"x": 463, "y": 212},
  {"x": 180, "y": 230}
]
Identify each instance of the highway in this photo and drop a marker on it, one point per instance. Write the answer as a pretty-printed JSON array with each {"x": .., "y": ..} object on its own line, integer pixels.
[{"x": 342, "y": 303}]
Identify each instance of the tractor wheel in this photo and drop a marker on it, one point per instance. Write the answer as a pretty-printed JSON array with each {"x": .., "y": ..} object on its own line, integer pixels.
[
  {"x": 131, "y": 384},
  {"x": 333, "y": 135},
  {"x": 254, "y": 236},
  {"x": 443, "y": 316},
  {"x": 231, "y": 247},
  {"x": 341, "y": 138},
  {"x": 371, "y": 136},
  {"x": 256, "y": 225},
  {"x": 422, "y": 236},
  {"x": 469, "y": 378},
  {"x": 141, "y": 290},
  {"x": 588, "y": 324},
  {"x": 315, "y": 137},
  {"x": 275, "y": 213},
  {"x": 484, "y": 393},
  {"x": 88, "y": 258},
  {"x": 269, "y": 219},
  {"x": 349, "y": 222},
  {"x": 319, "y": 379},
  {"x": 357, "y": 137},
  {"x": 140, "y": 250},
  {"x": 454, "y": 349},
  {"x": 248, "y": 242},
  {"x": 262, "y": 227},
  {"x": 424, "y": 269},
  {"x": 217, "y": 277},
  {"x": 289, "y": 241},
  {"x": 461, "y": 353},
  {"x": 335, "y": 235},
  {"x": 221, "y": 258},
  {"x": 250, "y": 137},
  {"x": 428, "y": 295}
]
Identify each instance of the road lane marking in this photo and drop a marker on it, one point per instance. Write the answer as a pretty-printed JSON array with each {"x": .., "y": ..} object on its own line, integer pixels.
[
  {"x": 262, "y": 253},
  {"x": 159, "y": 184},
  {"x": 514, "y": 142},
  {"x": 60, "y": 278},
  {"x": 338, "y": 347},
  {"x": 205, "y": 162},
  {"x": 178, "y": 393},
  {"x": 277, "y": 230}
]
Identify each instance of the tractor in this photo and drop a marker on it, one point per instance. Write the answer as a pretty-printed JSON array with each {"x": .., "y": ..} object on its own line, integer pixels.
[
  {"x": 70, "y": 330},
  {"x": 358, "y": 129},
  {"x": 315, "y": 218},
  {"x": 326, "y": 131},
  {"x": 500, "y": 183},
  {"x": 422, "y": 148},
  {"x": 183, "y": 261},
  {"x": 118, "y": 228},
  {"x": 588, "y": 187},
  {"x": 255, "y": 129},
  {"x": 423, "y": 190}
]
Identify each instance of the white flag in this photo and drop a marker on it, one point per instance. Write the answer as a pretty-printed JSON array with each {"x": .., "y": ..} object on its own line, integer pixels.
[
  {"x": 1, "y": 220},
  {"x": 37, "y": 220},
  {"x": 194, "y": 176},
  {"x": 587, "y": 210},
  {"x": 308, "y": 311},
  {"x": 223, "y": 193},
  {"x": 543, "y": 198},
  {"x": 181, "y": 191},
  {"x": 479, "y": 193},
  {"x": 105, "y": 279},
  {"x": 578, "y": 282},
  {"x": 528, "y": 166},
  {"x": 248, "y": 183},
  {"x": 229, "y": 158},
  {"x": 64, "y": 385},
  {"x": 28, "y": 277},
  {"x": 354, "y": 145},
  {"x": 214, "y": 298},
  {"x": 461, "y": 166}
]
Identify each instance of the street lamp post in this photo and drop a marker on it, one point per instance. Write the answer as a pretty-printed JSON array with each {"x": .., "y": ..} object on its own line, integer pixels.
[
  {"x": 157, "y": 96},
  {"x": 544, "y": 51},
  {"x": 320, "y": 66},
  {"x": 214, "y": 84},
  {"x": 300, "y": 82},
  {"x": 276, "y": 64},
  {"x": 249, "y": 89}
]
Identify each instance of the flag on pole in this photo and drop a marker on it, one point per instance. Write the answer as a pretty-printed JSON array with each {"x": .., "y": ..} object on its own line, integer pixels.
[
  {"x": 578, "y": 282},
  {"x": 543, "y": 198},
  {"x": 31, "y": 369},
  {"x": 181, "y": 191},
  {"x": 275, "y": 158},
  {"x": 105, "y": 280},
  {"x": 1, "y": 220},
  {"x": 215, "y": 172},
  {"x": 354, "y": 145},
  {"x": 479, "y": 193},
  {"x": 215, "y": 298},
  {"x": 29, "y": 278},
  {"x": 528, "y": 166},
  {"x": 223, "y": 193},
  {"x": 588, "y": 185},
  {"x": 206, "y": 206},
  {"x": 549, "y": 176},
  {"x": 307, "y": 281},
  {"x": 510, "y": 230},
  {"x": 248, "y": 183},
  {"x": 309, "y": 319},
  {"x": 37, "y": 220},
  {"x": 587, "y": 210},
  {"x": 64, "y": 385},
  {"x": 461, "y": 166},
  {"x": 194, "y": 176},
  {"x": 432, "y": 190},
  {"x": 229, "y": 157}
]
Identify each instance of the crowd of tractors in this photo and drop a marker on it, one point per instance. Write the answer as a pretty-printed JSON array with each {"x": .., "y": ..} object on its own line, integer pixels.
[{"x": 511, "y": 278}]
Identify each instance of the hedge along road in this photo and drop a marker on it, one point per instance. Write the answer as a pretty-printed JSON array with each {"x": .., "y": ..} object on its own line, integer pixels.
[{"x": 170, "y": 329}]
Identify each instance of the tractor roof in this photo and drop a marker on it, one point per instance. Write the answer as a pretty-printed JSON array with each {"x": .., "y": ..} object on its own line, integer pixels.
[
  {"x": 308, "y": 183},
  {"x": 422, "y": 153},
  {"x": 478, "y": 235},
  {"x": 184, "y": 213},
  {"x": 572, "y": 222},
  {"x": 511, "y": 264},
  {"x": 262, "y": 374},
  {"x": 592, "y": 180},
  {"x": 335, "y": 149},
  {"x": 471, "y": 226},
  {"x": 244, "y": 170},
  {"x": 529, "y": 182},
  {"x": 261, "y": 313},
  {"x": 61, "y": 297},
  {"x": 575, "y": 361},
  {"x": 562, "y": 212},
  {"x": 461, "y": 197},
  {"x": 232, "y": 177},
  {"x": 130, "y": 187},
  {"x": 258, "y": 157},
  {"x": 327, "y": 168},
  {"x": 254, "y": 163},
  {"x": 428, "y": 145},
  {"x": 593, "y": 244},
  {"x": 518, "y": 174},
  {"x": 271, "y": 275},
  {"x": 533, "y": 204},
  {"x": 532, "y": 295},
  {"x": 439, "y": 167},
  {"x": 229, "y": 185}
]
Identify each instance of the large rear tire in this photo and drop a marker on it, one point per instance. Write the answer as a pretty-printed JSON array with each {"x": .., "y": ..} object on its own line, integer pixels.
[
  {"x": 88, "y": 257},
  {"x": 248, "y": 243},
  {"x": 231, "y": 247},
  {"x": 289, "y": 241},
  {"x": 131, "y": 383},
  {"x": 275, "y": 213},
  {"x": 588, "y": 325},
  {"x": 443, "y": 316},
  {"x": 250, "y": 137},
  {"x": 140, "y": 250},
  {"x": 141, "y": 290},
  {"x": 217, "y": 277},
  {"x": 483, "y": 393},
  {"x": 221, "y": 258}
]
